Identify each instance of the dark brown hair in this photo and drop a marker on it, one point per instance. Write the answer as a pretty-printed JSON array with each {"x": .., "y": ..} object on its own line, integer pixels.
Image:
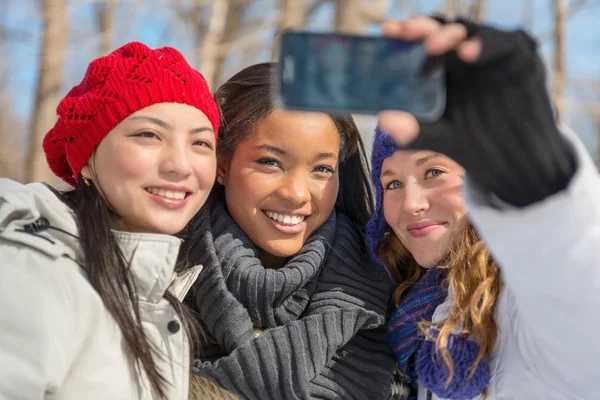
[{"x": 107, "y": 270}]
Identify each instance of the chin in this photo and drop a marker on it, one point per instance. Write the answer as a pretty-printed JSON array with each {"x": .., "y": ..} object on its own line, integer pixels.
[
  {"x": 167, "y": 229},
  {"x": 281, "y": 251},
  {"x": 427, "y": 261}
]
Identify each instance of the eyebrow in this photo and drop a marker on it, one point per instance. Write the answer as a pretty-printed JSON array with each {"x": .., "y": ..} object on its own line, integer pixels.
[
  {"x": 324, "y": 156},
  {"x": 166, "y": 126},
  {"x": 418, "y": 163},
  {"x": 282, "y": 152},
  {"x": 272, "y": 149},
  {"x": 387, "y": 172},
  {"x": 423, "y": 160}
]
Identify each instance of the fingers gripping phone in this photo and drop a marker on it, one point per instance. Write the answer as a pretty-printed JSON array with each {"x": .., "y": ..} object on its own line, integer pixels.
[{"x": 338, "y": 73}]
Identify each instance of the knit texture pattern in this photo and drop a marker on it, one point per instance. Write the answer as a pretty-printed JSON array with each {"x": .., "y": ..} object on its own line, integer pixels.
[
  {"x": 114, "y": 87},
  {"x": 322, "y": 314},
  {"x": 433, "y": 373},
  {"x": 417, "y": 305},
  {"x": 383, "y": 147}
]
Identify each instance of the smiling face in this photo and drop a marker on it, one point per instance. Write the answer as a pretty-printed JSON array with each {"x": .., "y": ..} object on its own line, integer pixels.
[
  {"x": 156, "y": 168},
  {"x": 423, "y": 202},
  {"x": 281, "y": 184}
]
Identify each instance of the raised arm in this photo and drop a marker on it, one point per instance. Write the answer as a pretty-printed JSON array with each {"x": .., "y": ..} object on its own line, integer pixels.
[{"x": 549, "y": 256}]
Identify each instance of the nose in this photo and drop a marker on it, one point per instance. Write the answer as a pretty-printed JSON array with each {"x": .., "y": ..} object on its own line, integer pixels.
[
  {"x": 415, "y": 200},
  {"x": 296, "y": 188},
  {"x": 175, "y": 160}
]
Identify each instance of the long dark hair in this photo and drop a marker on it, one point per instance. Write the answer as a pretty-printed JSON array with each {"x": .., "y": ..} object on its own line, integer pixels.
[
  {"x": 107, "y": 270},
  {"x": 245, "y": 99}
]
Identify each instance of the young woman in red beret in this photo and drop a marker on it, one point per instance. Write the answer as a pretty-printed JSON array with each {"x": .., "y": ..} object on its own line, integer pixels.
[{"x": 90, "y": 303}]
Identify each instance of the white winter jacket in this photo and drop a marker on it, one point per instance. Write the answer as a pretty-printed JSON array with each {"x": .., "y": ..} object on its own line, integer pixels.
[
  {"x": 57, "y": 340},
  {"x": 549, "y": 311}
]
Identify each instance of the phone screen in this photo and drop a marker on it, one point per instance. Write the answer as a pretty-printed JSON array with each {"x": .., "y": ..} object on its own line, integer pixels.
[{"x": 358, "y": 74}]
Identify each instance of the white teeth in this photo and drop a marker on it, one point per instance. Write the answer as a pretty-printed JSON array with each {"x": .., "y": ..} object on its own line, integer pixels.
[
  {"x": 169, "y": 194},
  {"x": 285, "y": 219}
]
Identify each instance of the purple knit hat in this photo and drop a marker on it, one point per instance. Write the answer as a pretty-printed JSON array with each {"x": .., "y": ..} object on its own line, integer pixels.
[{"x": 383, "y": 147}]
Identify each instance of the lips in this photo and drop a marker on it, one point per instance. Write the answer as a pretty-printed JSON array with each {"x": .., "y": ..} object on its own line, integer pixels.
[{"x": 423, "y": 228}]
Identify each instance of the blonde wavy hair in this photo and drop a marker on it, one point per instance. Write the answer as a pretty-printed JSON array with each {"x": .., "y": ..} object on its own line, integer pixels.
[{"x": 474, "y": 280}]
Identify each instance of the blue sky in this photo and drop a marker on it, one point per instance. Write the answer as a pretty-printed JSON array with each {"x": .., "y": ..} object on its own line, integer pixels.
[{"x": 150, "y": 22}]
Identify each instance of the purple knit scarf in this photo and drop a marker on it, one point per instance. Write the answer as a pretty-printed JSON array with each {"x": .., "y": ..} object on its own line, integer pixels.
[{"x": 428, "y": 369}]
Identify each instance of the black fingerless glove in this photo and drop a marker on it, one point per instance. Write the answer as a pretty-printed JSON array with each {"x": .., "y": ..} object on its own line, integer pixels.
[{"x": 499, "y": 122}]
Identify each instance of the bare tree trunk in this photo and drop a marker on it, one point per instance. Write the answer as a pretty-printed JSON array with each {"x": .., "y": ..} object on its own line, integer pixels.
[
  {"x": 559, "y": 55},
  {"x": 292, "y": 14},
  {"x": 208, "y": 53},
  {"x": 106, "y": 15},
  {"x": 478, "y": 10},
  {"x": 235, "y": 15},
  {"x": 453, "y": 8},
  {"x": 354, "y": 16},
  {"x": 54, "y": 41},
  {"x": 348, "y": 18}
]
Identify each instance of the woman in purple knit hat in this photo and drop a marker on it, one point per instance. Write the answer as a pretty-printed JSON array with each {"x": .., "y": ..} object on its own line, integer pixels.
[{"x": 493, "y": 301}]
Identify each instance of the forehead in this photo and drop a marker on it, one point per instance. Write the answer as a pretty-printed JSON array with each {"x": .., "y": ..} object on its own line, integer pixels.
[
  {"x": 406, "y": 159},
  {"x": 301, "y": 131}
]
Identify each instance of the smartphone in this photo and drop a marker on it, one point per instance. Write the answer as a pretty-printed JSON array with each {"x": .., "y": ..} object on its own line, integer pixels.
[{"x": 337, "y": 73}]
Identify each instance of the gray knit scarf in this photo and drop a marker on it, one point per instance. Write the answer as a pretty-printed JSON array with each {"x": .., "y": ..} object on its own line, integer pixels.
[{"x": 323, "y": 314}]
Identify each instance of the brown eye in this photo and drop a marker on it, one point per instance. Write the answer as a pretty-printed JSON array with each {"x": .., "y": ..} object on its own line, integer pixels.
[
  {"x": 203, "y": 143},
  {"x": 149, "y": 135}
]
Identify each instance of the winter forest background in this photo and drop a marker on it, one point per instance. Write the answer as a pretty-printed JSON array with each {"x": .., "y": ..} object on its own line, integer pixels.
[{"x": 45, "y": 46}]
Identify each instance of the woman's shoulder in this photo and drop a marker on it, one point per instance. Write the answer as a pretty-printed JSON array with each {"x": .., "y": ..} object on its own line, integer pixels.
[{"x": 38, "y": 233}]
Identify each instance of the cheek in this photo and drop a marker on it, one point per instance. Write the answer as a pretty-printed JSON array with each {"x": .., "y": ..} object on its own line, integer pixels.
[
  {"x": 119, "y": 168},
  {"x": 246, "y": 189},
  {"x": 205, "y": 170},
  {"x": 455, "y": 204},
  {"x": 324, "y": 195},
  {"x": 391, "y": 211}
]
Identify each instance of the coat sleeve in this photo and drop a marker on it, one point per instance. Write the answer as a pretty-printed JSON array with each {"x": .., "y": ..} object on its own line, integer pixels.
[
  {"x": 37, "y": 338},
  {"x": 549, "y": 254}
]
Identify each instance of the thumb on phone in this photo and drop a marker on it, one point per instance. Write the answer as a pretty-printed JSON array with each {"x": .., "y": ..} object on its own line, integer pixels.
[{"x": 402, "y": 126}]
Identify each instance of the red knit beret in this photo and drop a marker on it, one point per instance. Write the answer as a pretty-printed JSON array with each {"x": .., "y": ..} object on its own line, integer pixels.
[{"x": 114, "y": 87}]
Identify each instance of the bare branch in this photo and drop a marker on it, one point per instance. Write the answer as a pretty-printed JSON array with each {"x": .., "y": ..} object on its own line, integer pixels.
[
  {"x": 106, "y": 15},
  {"x": 453, "y": 8},
  {"x": 571, "y": 11},
  {"x": 292, "y": 14},
  {"x": 376, "y": 13},
  {"x": 209, "y": 50},
  {"x": 477, "y": 10},
  {"x": 54, "y": 41},
  {"x": 559, "y": 51},
  {"x": 255, "y": 40},
  {"x": 314, "y": 7}
]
